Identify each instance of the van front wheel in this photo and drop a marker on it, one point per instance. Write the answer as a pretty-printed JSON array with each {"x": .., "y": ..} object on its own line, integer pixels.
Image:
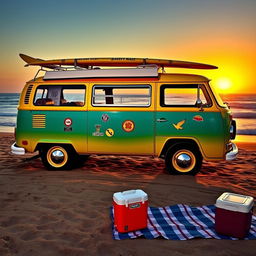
[
  {"x": 183, "y": 159},
  {"x": 57, "y": 157}
]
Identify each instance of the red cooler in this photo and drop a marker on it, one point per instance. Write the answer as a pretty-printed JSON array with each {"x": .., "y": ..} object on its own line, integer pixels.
[
  {"x": 233, "y": 215},
  {"x": 130, "y": 210}
]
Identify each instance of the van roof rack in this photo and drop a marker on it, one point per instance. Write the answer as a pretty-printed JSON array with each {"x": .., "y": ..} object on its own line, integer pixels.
[{"x": 138, "y": 72}]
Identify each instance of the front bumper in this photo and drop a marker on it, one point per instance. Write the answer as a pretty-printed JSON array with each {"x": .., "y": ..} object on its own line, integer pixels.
[
  {"x": 231, "y": 155},
  {"x": 17, "y": 150}
]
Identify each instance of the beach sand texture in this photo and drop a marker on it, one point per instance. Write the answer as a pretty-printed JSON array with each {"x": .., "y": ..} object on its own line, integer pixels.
[{"x": 67, "y": 212}]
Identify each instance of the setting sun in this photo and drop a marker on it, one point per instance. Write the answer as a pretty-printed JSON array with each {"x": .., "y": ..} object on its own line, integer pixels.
[{"x": 224, "y": 83}]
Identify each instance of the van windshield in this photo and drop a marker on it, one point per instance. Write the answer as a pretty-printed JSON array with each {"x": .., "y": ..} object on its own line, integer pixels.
[{"x": 218, "y": 98}]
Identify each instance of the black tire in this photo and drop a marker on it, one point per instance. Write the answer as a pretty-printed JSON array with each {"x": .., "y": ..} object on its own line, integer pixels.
[
  {"x": 58, "y": 157},
  {"x": 80, "y": 160},
  {"x": 184, "y": 159},
  {"x": 83, "y": 158}
]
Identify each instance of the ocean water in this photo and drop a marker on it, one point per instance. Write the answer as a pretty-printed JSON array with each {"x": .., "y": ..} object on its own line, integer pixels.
[
  {"x": 8, "y": 111},
  {"x": 243, "y": 107}
]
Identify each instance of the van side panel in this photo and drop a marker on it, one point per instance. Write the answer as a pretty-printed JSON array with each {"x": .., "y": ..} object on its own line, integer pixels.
[
  {"x": 208, "y": 132},
  {"x": 138, "y": 141},
  {"x": 42, "y": 126}
]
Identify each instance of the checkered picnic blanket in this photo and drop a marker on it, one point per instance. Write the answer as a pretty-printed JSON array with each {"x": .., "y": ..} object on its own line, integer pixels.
[{"x": 179, "y": 222}]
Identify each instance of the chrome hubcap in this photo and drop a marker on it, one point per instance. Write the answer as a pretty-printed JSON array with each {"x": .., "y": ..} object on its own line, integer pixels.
[
  {"x": 57, "y": 156},
  {"x": 183, "y": 160}
]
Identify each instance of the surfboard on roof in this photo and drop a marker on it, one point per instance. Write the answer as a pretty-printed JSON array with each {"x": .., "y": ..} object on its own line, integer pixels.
[{"x": 112, "y": 62}]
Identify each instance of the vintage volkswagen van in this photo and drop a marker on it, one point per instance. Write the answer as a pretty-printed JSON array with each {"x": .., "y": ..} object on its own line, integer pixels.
[{"x": 65, "y": 115}]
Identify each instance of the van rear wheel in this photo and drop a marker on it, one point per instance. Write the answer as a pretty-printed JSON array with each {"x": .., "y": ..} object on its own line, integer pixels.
[
  {"x": 57, "y": 157},
  {"x": 183, "y": 159}
]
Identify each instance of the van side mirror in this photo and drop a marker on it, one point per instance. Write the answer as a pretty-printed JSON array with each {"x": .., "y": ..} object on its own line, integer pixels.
[{"x": 199, "y": 104}]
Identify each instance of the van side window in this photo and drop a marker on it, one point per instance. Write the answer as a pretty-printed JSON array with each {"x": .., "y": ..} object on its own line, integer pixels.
[
  {"x": 190, "y": 95},
  {"x": 76, "y": 96},
  {"x": 121, "y": 95},
  {"x": 41, "y": 94},
  {"x": 60, "y": 95}
]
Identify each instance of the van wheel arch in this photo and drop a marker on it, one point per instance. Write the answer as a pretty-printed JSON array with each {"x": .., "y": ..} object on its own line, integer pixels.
[
  {"x": 42, "y": 145},
  {"x": 173, "y": 142}
]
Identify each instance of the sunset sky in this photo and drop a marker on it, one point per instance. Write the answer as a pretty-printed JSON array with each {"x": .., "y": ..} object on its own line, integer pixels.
[{"x": 219, "y": 32}]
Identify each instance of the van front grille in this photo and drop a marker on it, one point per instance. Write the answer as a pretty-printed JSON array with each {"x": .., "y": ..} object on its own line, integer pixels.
[
  {"x": 27, "y": 96},
  {"x": 38, "y": 121}
]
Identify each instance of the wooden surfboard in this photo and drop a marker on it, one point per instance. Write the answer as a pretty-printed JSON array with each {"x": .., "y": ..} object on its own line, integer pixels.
[{"x": 113, "y": 62}]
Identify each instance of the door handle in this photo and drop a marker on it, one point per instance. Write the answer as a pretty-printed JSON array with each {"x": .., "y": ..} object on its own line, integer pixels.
[{"x": 162, "y": 119}]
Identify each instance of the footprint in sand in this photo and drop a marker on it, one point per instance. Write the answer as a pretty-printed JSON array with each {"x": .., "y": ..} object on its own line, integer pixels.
[
  {"x": 9, "y": 246},
  {"x": 47, "y": 218},
  {"x": 105, "y": 249},
  {"x": 52, "y": 206},
  {"x": 105, "y": 229},
  {"x": 52, "y": 225},
  {"x": 85, "y": 225},
  {"x": 29, "y": 235},
  {"x": 11, "y": 221},
  {"x": 74, "y": 190},
  {"x": 68, "y": 215}
]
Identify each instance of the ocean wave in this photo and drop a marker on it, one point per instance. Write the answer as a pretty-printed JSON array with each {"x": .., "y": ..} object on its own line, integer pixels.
[
  {"x": 7, "y": 106},
  {"x": 8, "y": 124},
  {"x": 9, "y": 98},
  {"x": 236, "y": 97},
  {"x": 13, "y": 97},
  {"x": 8, "y": 103},
  {"x": 249, "y": 115},
  {"x": 243, "y": 105},
  {"x": 241, "y": 102},
  {"x": 246, "y": 132},
  {"x": 8, "y": 114}
]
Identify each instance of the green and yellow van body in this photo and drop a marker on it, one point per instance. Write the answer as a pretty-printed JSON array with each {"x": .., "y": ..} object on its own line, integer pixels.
[{"x": 145, "y": 133}]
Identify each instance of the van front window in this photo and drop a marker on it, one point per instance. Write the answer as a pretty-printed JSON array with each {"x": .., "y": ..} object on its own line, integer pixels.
[
  {"x": 218, "y": 98},
  {"x": 184, "y": 95}
]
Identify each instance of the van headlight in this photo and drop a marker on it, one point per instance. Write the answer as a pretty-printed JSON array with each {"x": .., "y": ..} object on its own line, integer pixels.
[{"x": 233, "y": 130}]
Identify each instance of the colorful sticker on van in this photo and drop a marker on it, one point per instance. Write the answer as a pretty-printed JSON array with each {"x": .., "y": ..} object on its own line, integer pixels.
[
  {"x": 68, "y": 121},
  {"x": 178, "y": 126},
  {"x": 97, "y": 131},
  {"x": 105, "y": 117},
  {"x": 110, "y": 132},
  {"x": 128, "y": 125},
  {"x": 198, "y": 118}
]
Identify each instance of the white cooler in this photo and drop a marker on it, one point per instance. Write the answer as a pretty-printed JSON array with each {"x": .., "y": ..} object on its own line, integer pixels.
[
  {"x": 233, "y": 214},
  {"x": 130, "y": 210}
]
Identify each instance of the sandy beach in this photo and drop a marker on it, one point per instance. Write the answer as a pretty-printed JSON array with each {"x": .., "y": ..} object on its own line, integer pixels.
[{"x": 67, "y": 212}]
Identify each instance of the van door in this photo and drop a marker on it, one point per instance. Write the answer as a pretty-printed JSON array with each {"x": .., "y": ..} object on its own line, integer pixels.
[
  {"x": 121, "y": 119},
  {"x": 187, "y": 111}
]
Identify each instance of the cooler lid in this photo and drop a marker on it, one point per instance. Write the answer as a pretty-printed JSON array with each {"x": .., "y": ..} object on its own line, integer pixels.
[
  {"x": 235, "y": 202},
  {"x": 130, "y": 196}
]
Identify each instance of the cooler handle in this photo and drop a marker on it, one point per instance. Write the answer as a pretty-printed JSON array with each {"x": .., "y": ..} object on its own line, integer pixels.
[
  {"x": 127, "y": 192},
  {"x": 142, "y": 201}
]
